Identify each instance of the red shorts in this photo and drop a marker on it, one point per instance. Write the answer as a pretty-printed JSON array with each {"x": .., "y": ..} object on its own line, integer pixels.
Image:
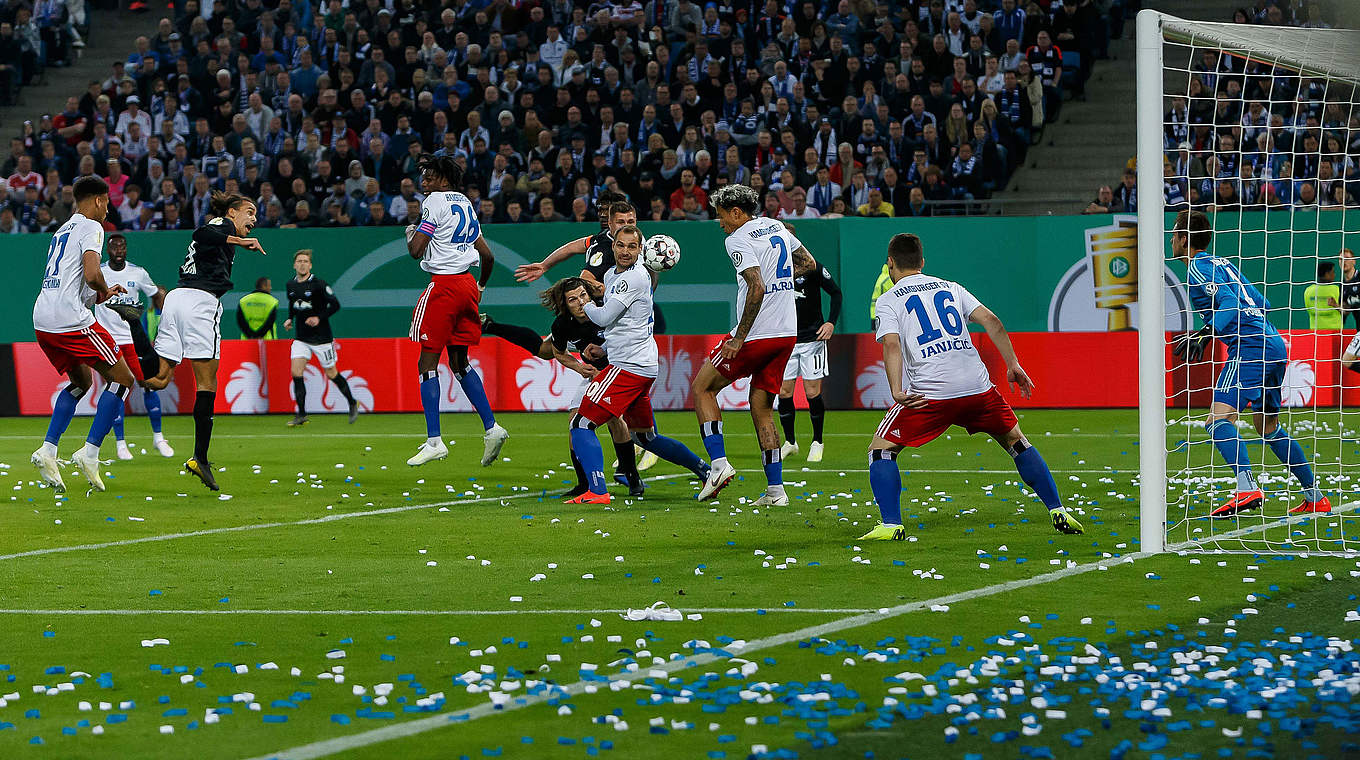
[
  {"x": 88, "y": 345},
  {"x": 619, "y": 393},
  {"x": 446, "y": 314},
  {"x": 763, "y": 360},
  {"x": 130, "y": 355},
  {"x": 985, "y": 412}
]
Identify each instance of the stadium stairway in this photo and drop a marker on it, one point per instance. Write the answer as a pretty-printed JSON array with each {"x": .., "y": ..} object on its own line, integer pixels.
[
  {"x": 111, "y": 37},
  {"x": 1093, "y": 139}
]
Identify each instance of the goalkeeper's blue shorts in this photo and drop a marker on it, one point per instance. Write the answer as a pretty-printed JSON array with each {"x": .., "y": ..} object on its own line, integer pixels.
[{"x": 1254, "y": 383}]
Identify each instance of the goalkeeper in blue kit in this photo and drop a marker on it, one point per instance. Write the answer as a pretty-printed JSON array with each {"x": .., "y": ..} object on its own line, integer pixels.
[{"x": 1234, "y": 312}]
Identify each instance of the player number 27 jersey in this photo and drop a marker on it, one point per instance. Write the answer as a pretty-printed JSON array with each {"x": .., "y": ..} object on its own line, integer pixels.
[
  {"x": 64, "y": 301},
  {"x": 767, "y": 244},
  {"x": 930, "y": 318},
  {"x": 450, "y": 221}
]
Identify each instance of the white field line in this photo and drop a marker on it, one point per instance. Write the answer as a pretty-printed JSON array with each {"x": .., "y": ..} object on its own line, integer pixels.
[
  {"x": 310, "y": 521},
  {"x": 434, "y": 613},
  {"x": 329, "y": 747}
]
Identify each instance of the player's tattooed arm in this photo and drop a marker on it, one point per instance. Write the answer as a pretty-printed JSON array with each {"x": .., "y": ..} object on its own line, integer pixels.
[
  {"x": 755, "y": 295},
  {"x": 487, "y": 261},
  {"x": 803, "y": 262}
]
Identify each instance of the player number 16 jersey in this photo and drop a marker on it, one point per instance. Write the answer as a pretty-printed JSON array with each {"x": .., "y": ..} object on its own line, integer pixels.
[
  {"x": 450, "y": 221},
  {"x": 930, "y": 318}
]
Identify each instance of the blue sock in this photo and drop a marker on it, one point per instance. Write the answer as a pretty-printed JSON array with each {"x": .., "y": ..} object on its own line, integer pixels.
[
  {"x": 713, "y": 440},
  {"x": 672, "y": 451},
  {"x": 472, "y": 386},
  {"x": 1034, "y": 471},
  {"x": 110, "y": 405},
  {"x": 1234, "y": 451},
  {"x": 63, "y": 409},
  {"x": 118, "y": 425},
  {"x": 153, "y": 409},
  {"x": 774, "y": 467},
  {"x": 1288, "y": 451},
  {"x": 429, "y": 401},
  {"x": 886, "y": 482},
  {"x": 587, "y": 447}
]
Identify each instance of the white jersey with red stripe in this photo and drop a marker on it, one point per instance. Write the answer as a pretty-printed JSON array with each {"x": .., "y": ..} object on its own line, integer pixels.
[
  {"x": 930, "y": 318},
  {"x": 64, "y": 302},
  {"x": 767, "y": 244},
  {"x": 138, "y": 283},
  {"x": 628, "y": 341},
  {"x": 450, "y": 222}
]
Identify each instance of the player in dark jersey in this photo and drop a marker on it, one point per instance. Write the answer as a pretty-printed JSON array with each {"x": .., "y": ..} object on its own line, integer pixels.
[
  {"x": 809, "y": 360},
  {"x": 598, "y": 248},
  {"x": 191, "y": 320},
  {"x": 311, "y": 304},
  {"x": 1350, "y": 287}
]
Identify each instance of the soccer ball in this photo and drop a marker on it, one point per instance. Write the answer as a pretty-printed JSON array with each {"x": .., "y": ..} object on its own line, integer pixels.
[{"x": 660, "y": 252}]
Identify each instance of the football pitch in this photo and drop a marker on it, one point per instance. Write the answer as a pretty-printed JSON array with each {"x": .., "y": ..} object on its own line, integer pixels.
[{"x": 333, "y": 602}]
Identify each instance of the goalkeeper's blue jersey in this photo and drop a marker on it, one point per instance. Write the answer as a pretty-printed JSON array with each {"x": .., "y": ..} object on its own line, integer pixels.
[{"x": 1235, "y": 308}]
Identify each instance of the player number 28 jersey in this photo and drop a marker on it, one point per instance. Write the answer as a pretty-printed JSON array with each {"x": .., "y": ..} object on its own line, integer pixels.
[
  {"x": 767, "y": 244},
  {"x": 137, "y": 282},
  {"x": 450, "y": 221},
  {"x": 64, "y": 301},
  {"x": 930, "y": 318}
]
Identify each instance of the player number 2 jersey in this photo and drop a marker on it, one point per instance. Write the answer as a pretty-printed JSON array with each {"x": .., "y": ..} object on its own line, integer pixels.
[
  {"x": 450, "y": 221},
  {"x": 64, "y": 301},
  {"x": 629, "y": 341},
  {"x": 930, "y": 318},
  {"x": 767, "y": 244},
  {"x": 137, "y": 282}
]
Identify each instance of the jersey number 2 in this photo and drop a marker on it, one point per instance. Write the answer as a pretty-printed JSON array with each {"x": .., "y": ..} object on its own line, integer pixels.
[
  {"x": 944, "y": 308},
  {"x": 782, "y": 248}
]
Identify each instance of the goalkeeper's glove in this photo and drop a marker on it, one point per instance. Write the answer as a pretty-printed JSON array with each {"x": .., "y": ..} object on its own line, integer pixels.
[{"x": 1190, "y": 345}]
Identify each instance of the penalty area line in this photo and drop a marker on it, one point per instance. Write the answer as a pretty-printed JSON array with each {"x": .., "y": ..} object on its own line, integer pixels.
[{"x": 439, "y": 613}]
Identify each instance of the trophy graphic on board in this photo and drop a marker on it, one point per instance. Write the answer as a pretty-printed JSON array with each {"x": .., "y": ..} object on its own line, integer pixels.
[{"x": 1113, "y": 251}]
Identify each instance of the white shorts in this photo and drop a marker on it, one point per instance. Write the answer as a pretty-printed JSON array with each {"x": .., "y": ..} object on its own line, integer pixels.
[
  {"x": 1353, "y": 348},
  {"x": 807, "y": 361},
  {"x": 191, "y": 326},
  {"x": 577, "y": 395},
  {"x": 324, "y": 352}
]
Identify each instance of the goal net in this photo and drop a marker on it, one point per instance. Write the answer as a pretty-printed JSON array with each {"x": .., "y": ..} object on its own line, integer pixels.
[{"x": 1259, "y": 128}]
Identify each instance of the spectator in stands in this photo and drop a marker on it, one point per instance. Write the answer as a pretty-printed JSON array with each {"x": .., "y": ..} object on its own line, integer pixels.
[
  {"x": 1126, "y": 194},
  {"x": 1104, "y": 202}
]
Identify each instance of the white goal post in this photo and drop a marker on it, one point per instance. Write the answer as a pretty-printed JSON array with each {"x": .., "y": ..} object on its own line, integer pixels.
[{"x": 1168, "y": 54}]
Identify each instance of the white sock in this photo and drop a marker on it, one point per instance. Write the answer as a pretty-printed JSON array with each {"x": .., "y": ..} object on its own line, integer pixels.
[
  {"x": 157, "y": 437},
  {"x": 90, "y": 450},
  {"x": 122, "y": 444},
  {"x": 434, "y": 442},
  {"x": 775, "y": 490},
  {"x": 719, "y": 464},
  {"x": 49, "y": 449}
]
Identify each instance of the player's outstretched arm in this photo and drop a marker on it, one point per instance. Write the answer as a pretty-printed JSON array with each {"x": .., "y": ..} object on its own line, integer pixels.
[
  {"x": 1015, "y": 374},
  {"x": 531, "y": 272},
  {"x": 250, "y": 244},
  {"x": 486, "y": 259}
]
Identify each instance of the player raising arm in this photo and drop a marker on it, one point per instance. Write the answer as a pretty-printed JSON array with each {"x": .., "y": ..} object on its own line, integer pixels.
[
  {"x": 922, "y": 326},
  {"x": 598, "y": 248},
  {"x": 71, "y": 338},
  {"x": 448, "y": 242},
  {"x": 759, "y": 347},
  {"x": 1233, "y": 311},
  {"x": 191, "y": 322}
]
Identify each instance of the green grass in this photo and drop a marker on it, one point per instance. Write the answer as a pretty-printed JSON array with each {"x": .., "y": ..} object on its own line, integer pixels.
[{"x": 453, "y": 537}]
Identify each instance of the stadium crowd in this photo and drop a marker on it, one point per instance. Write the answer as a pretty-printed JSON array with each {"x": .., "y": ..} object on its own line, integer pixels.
[
  {"x": 1246, "y": 135},
  {"x": 835, "y": 107}
]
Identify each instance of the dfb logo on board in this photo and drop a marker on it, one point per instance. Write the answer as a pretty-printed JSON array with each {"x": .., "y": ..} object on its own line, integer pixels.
[
  {"x": 247, "y": 390},
  {"x": 872, "y": 387},
  {"x": 671, "y": 389},
  {"x": 451, "y": 396},
  {"x": 546, "y": 386},
  {"x": 737, "y": 396},
  {"x": 1300, "y": 382}
]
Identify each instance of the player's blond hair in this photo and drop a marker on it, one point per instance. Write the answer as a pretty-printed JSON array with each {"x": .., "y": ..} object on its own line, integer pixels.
[{"x": 304, "y": 252}]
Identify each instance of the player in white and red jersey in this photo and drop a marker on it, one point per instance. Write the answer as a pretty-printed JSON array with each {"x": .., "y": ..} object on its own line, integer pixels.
[
  {"x": 620, "y": 390},
  {"x": 938, "y": 379},
  {"x": 448, "y": 242},
  {"x": 138, "y": 283},
  {"x": 762, "y": 250},
  {"x": 71, "y": 338}
]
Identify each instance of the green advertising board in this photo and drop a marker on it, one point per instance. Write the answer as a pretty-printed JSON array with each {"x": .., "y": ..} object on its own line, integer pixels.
[{"x": 1063, "y": 273}]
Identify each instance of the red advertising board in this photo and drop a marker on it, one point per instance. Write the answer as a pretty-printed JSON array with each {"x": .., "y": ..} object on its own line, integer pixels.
[{"x": 1094, "y": 370}]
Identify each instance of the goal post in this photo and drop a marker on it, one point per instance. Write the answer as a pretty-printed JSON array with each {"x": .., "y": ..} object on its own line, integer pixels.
[{"x": 1275, "y": 217}]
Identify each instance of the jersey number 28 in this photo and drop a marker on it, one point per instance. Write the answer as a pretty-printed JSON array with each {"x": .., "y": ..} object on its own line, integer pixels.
[{"x": 468, "y": 229}]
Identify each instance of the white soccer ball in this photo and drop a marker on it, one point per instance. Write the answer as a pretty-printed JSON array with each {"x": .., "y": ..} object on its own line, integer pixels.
[{"x": 660, "y": 252}]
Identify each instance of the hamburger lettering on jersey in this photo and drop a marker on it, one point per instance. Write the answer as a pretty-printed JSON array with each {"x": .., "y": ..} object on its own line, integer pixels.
[
  {"x": 600, "y": 254},
  {"x": 450, "y": 221},
  {"x": 767, "y": 244},
  {"x": 207, "y": 265},
  {"x": 930, "y": 317},
  {"x": 570, "y": 334},
  {"x": 137, "y": 282},
  {"x": 629, "y": 338},
  {"x": 312, "y": 298},
  {"x": 64, "y": 302}
]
